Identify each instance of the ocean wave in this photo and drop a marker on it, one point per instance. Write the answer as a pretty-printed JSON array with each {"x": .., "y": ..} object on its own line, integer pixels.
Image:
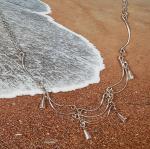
[{"x": 61, "y": 58}]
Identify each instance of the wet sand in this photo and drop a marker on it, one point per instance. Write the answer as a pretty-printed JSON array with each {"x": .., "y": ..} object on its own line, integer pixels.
[{"x": 24, "y": 126}]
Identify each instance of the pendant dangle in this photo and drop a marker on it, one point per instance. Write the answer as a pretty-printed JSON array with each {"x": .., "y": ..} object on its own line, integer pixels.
[
  {"x": 44, "y": 96},
  {"x": 126, "y": 69},
  {"x": 129, "y": 74},
  {"x": 43, "y": 102},
  {"x": 121, "y": 117},
  {"x": 86, "y": 133},
  {"x": 78, "y": 116}
]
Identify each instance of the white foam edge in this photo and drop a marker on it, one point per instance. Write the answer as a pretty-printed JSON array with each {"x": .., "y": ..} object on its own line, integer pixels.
[{"x": 95, "y": 50}]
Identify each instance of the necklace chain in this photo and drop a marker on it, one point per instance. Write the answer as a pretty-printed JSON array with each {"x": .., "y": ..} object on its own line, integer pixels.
[{"x": 84, "y": 116}]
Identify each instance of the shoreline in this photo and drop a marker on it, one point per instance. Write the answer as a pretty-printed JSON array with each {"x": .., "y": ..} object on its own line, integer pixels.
[{"x": 107, "y": 32}]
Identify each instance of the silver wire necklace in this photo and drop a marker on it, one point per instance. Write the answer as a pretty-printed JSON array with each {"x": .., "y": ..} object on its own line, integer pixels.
[{"x": 84, "y": 116}]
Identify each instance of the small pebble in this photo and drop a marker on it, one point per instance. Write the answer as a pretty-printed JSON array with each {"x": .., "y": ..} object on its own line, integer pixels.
[
  {"x": 18, "y": 134},
  {"x": 50, "y": 141}
]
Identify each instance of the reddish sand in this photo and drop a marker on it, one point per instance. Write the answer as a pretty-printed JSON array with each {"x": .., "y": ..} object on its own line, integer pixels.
[{"x": 24, "y": 126}]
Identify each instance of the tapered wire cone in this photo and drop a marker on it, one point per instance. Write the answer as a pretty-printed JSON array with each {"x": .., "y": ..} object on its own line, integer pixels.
[
  {"x": 87, "y": 135},
  {"x": 130, "y": 75},
  {"x": 42, "y": 104},
  {"x": 121, "y": 117}
]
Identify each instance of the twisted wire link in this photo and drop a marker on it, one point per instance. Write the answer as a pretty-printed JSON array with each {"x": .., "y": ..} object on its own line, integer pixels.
[{"x": 83, "y": 115}]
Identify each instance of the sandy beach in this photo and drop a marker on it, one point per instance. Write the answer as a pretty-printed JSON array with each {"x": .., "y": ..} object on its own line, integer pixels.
[{"x": 24, "y": 126}]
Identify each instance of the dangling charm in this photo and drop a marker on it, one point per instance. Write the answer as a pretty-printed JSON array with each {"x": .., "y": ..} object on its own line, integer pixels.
[
  {"x": 87, "y": 135},
  {"x": 121, "y": 117},
  {"x": 129, "y": 75},
  {"x": 83, "y": 126},
  {"x": 43, "y": 104}
]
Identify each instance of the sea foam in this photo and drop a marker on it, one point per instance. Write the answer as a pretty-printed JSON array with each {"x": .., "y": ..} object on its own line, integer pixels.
[{"x": 61, "y": 58}]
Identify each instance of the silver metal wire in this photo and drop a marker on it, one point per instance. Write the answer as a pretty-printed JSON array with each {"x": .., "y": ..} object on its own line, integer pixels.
[{"x": 105, "y": 105}]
